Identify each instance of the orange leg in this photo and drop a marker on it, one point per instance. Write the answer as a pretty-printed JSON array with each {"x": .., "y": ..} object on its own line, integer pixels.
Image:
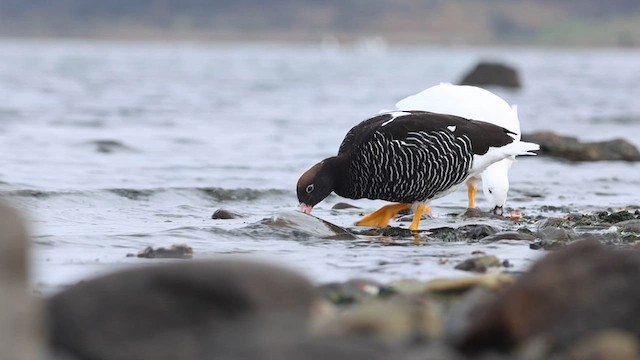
[
  {"x": 422, "y": 208},
  {"x": 471, "y": 193},
  {"x": 382, "y": 216}
]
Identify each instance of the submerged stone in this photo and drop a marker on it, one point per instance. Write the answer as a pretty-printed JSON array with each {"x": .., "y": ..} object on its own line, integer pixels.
[
  {"x": 309, "y": 225},
  {"x": 224, "y": 214},
  {"x": 342, "y": 206}
]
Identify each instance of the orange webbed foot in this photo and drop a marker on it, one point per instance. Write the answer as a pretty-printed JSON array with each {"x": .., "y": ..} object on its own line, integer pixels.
[{"x": 382, "y": 216}]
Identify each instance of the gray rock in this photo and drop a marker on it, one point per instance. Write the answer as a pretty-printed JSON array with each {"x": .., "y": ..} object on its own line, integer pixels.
[
  {"x": 570, "y": 148},
  {"x": 21, "y": 336},
  {"x": 179, "y": 311},
  {"x": 491, "y": 73}
]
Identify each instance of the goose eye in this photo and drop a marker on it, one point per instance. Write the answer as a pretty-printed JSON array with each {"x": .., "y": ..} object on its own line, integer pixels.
[
  {"x": 309, "y": 189},
  {"x": 490, "y": 191}
]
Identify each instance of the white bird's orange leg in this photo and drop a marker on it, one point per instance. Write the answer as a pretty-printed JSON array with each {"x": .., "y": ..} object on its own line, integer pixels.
[
  {"x": 382, "y": 216},
  {"x": 471, "y": 193},
  {"x": 422, "y": 208}
]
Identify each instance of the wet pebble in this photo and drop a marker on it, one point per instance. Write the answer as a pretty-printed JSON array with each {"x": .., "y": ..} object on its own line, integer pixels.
[
  {"x": 548, "y": 245},
  {"x": 479, "y": 264},
  {"x": 508, "y": 235},
  {"x": 475, "y": 213},
  {"x": 630, "y": 226},
  {"x": 223, "y": 214},
  {"x": 476, "y": 232},
  {"x": 550, "y": 222},
  {"x": 616, "y": 217},
  {"x": 176, "y": 251},
  {"x": 351, "y": 291}
]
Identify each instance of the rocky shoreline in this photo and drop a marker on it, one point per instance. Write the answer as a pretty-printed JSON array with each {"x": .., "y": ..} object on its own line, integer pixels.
[{"x": 578, "y": 302}]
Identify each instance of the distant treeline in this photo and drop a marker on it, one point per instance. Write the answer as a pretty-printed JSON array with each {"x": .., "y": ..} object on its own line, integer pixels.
[{"x": 420, "y": 20}]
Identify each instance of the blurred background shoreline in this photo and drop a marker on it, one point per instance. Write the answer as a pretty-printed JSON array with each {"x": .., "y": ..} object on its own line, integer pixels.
[{"x": 573, "y": 23}]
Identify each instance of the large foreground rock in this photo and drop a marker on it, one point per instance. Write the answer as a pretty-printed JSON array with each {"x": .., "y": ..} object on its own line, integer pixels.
[
  {"x": 182, "y": 311},
  {"x": 21, "y": 335},
  {"x": 570, "y": 148},
  {"x": 568, "y": 296}
]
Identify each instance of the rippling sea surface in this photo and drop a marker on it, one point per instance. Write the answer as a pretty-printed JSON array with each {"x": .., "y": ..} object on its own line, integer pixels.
[{"x": 111, "y": 147}]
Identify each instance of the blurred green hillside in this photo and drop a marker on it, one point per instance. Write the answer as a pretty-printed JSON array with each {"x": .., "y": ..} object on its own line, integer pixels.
[{"x": 525, "y": 22}]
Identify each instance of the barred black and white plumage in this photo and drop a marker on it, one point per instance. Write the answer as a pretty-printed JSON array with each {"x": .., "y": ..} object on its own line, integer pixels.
[
  {"x": 408, "y": 156},
  {"x": 434, "y": 161}
]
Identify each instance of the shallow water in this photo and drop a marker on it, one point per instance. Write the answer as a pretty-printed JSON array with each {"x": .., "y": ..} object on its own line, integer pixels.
[{"x": 112, "y": 147}]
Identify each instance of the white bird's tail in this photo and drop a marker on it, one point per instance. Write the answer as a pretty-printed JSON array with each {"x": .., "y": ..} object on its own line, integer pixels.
[
  {"x": 496, "y": 154},
  {"x": 521, "y": 148}
]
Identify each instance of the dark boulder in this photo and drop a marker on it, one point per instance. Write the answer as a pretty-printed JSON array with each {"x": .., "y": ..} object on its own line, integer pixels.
[
  {"x": 567, "y": 296},
  {"x": 490, "y": 73},
  {"x": 570, "y": 148},
  {"x": 179, "y": 311}
]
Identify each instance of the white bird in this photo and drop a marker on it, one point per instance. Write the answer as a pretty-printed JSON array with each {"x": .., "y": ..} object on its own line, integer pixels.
[{"x": 475, "y": 103}]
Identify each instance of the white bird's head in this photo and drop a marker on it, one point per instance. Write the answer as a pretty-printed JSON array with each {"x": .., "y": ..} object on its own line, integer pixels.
[{"x": 495, "y": 184}]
